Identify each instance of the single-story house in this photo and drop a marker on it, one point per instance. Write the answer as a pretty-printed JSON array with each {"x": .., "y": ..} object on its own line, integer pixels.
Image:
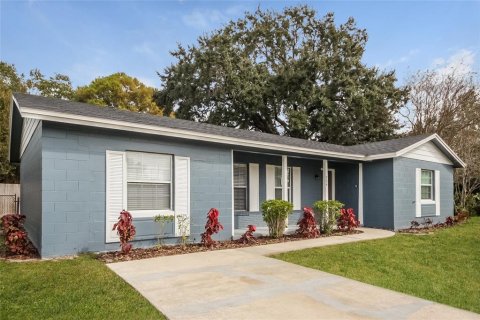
[{"x": 80, "y": 165}]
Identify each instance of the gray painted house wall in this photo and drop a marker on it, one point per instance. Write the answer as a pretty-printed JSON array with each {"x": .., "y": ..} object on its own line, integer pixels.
[
  {"x": 404, "y": 182},
  {"x": 31, "y": 187},
  {"x": 74, "y": 186},
  {"x": 346, "y": 183},
  {"x": 378, "y": 194}
]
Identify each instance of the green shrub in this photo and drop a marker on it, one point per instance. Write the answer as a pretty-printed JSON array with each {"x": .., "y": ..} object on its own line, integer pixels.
[
  {"x": 327, "y": 212},
  {"x": 274, "y": 213}
]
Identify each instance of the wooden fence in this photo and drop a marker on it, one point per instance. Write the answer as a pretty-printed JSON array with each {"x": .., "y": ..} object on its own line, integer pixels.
[{"x": 9, "y": 198}]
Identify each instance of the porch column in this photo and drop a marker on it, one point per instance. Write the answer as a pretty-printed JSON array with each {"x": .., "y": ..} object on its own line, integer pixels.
[
  {"x": 325, "y": 180},
  {"x": 285, "y": 184},
  {"x": 360, "y": 193},
  {"x": 284, "y": 178}
]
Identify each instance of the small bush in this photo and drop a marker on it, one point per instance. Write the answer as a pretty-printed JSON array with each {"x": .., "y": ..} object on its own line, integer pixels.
[
  {"x": 162, "y": 221},
  {"x": 248, "y": 236},
  {"x": 274, "y": 213},
  {"x": 347, "y": 221},
  {"x": 427, "y": 222},
  {"x": 211, "y": 227},
  {"x": 183, "y": 225},
  {"x": 307, "y": 226},
  {"x": 449, "y": 221},
  {"x": 125, "y": 230},
  {"x": 16, "y": 239},
  {"x": 414, "y": 224},
  {"x": 327, "y": 212},
  {"x": 461, "y": 216}
]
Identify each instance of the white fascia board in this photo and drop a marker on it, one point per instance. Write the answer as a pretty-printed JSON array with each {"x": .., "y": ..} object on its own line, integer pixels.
[
  {"x": 415, "y": 145},
  {"x": 177, "y": 133}
]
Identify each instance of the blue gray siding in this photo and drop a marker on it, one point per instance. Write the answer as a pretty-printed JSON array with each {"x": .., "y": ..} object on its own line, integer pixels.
[
  {"x": 378, "y": 194},
  {"x": 404, "y": 181},
  {"x": 311, "y": 183},
  {"x": 74, "y": 186},
  {"x": 31, "y": 187}
]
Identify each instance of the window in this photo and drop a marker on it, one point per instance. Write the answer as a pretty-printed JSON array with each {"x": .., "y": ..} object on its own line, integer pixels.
[
  {"x": 427, "y": 185},
  {"x": 278, "y": 183},
  {"x": 240, "y": 180},
  {"x": 149, "y": 181}
]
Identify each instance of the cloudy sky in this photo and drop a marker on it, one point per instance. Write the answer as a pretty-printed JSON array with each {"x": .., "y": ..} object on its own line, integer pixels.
[{"x": 88, "y": 39}]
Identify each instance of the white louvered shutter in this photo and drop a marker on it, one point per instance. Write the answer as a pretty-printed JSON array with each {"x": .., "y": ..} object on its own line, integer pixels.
[
  {"x": 254, "y": 189},
  {"x": 418, "y": 192},
  {"x": 270, "y": 182},
  {"x": 115, "y": 191},
  {"x": 182, "y": 189},
  {"x": 437, "y": 192},
  {"x": 297, "y": 188}
]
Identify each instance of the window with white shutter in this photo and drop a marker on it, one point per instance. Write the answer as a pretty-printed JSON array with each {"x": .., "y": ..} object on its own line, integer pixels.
[
  {"x": 240, "y": 181},
  {"x": 149, "y": 183}
]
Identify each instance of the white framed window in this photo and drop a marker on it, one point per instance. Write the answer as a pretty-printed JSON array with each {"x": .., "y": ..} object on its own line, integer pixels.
[
  {"x": 278, "y": 183},
  {"x": 240, "y": 182},
  {"x": 148, "y": 183},
  {"x": 426, "y": 186}
]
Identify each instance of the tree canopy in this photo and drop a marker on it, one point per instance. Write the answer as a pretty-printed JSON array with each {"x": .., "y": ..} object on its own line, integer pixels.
[
  {"x": 119, "y": 91},
  {"x": 285, "y": 73}
]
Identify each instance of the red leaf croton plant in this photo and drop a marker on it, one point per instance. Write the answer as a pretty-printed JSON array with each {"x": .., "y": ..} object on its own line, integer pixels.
[
  {"x": 125, "y": 230},
  {"x": 16, "y": 239},
  {"x": 347, "y": 221},
  {"x": 307, "y": 226},
  {"x": 248, "y": 236},
  {"x": 211, "y": 227}
]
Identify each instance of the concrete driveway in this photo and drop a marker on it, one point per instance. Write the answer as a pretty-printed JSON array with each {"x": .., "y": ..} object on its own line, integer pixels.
[{"x": 245, "y": 284}]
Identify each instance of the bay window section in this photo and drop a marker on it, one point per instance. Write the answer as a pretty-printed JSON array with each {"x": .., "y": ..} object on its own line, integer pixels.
[
  {"x": 149, "y": 182},
  {"x": 240, "y": 182}
]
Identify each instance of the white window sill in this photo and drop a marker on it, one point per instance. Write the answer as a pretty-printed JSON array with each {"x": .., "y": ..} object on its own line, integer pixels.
[
  {"x": 427, "y": 202},
  {"x": 151, "y": 213}
]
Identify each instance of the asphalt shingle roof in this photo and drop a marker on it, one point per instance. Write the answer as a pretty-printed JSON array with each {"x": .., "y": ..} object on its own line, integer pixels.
[{"x": 84, "y": 109}]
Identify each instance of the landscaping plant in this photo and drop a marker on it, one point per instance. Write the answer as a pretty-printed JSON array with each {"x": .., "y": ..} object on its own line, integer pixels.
[
  {"x": 449, "y": 221},
  {"x": 327, "y": 212},
  {"x": 211, "y": 227},
  {"x": 274, "y": 213},
  {"x": 183, "y": 224},
  {"x": 347, "y": 221},
  {"x": 125, "y": 230},
  {"x": 248, "y": 236},
  {"x": 414, "y": 224},
  {"x": 162, "y": 221},
  {"x": 307, "y": 226},
  {"x": 16, "y": 240}
]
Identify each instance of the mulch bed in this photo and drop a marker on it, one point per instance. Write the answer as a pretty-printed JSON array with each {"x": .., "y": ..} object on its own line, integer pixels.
[
  {"x": 425, "y": 230},
  {"x": 169, "y": 250}
]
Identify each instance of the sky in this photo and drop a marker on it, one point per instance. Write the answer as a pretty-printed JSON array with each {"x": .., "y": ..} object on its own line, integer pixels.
[{"x": 89, "y": 39}]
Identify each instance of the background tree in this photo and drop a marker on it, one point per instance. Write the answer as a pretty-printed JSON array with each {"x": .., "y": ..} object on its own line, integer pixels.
[
  {"x": 119, "y": 91},
  {"x": 10, "y": 81},
  {"x": 285, "y": 73},
  {"x": 59, "y": 86},
  {"x": 449, "y": 105}
]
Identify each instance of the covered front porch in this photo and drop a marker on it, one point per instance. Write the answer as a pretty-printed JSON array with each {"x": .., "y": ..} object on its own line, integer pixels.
[{"x": 299, "y": 179}]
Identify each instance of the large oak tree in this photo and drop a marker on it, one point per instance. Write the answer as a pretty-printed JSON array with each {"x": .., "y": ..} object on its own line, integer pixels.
[{"x": 288, "y": 73}]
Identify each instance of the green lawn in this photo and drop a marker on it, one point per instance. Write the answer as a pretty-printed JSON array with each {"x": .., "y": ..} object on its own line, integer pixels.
[
  {"x": 81, "y": 288},
  {"x": 442, "y": 267}
]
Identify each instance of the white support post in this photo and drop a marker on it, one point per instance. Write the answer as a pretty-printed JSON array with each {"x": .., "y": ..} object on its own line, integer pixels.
[
  {"x": 285, "y": 183},
  {"x": 284, "y": 178},
  {"x": 360, "y": 193},
  {"x": 325, "y": 180}
]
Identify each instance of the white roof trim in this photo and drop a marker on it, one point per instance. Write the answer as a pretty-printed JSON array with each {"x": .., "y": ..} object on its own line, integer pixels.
[
  {"x": 416, "y": 145},
  {"x": 177, "y": 133},
  {"x": 192, "y": 135}
]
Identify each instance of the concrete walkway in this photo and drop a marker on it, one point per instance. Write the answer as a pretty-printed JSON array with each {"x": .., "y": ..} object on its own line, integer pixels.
[{"x": 245, "y": 284}]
